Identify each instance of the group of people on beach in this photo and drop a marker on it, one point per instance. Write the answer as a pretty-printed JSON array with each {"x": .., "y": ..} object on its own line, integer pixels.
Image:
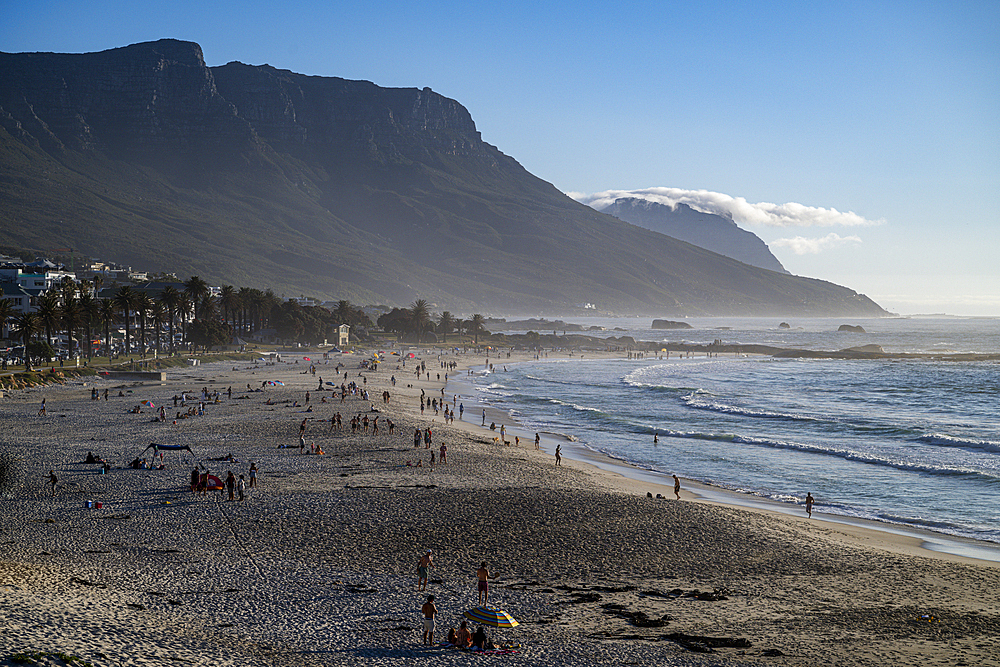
[
  {"x": 460, "y": 638},
  {"x": 202, "y": 481}
]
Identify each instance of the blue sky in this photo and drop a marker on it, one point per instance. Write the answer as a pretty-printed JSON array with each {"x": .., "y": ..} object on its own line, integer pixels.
[{"x": 887, "y": 110}]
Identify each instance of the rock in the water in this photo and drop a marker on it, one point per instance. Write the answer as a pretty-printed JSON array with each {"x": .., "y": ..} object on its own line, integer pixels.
[
  {"x": 668, "y": 324},
  {"x": 868, "y": 349},
  {"x": 852, "y": 328},
  {"x": 784, "y": 325}
]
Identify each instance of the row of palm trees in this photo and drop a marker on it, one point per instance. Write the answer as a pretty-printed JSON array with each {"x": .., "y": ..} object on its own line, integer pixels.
[{"x": 76, "y": 308}]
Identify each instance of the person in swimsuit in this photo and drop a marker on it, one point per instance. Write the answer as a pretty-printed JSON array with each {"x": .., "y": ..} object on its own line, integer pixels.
[
  {"x": 483, "y": 574},
  {"x": 558, "y": 455},
  {"x": 677, "y": 487},
  {"x": 429, "y": 611},
  {"x": 809, "y": 504},
  {"x": 423, "y": 565}
]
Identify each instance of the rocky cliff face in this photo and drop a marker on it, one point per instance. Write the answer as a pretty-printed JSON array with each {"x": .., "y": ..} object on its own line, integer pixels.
[
  {"x": 126, "y": 101},
  {"x": 291, "y": 110},
  {"x": 705, "y": 230},
  {"x": 161, "y": 95}
]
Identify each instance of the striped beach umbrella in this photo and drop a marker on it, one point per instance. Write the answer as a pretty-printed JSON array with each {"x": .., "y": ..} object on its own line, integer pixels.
[{"x": 491, "y": 616}]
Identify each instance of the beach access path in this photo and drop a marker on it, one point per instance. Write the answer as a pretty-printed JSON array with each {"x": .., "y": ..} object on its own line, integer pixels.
[{"x": 318, "y": 565}]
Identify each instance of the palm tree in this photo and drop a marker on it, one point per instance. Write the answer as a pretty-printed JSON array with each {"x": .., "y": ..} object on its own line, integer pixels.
[
  {"x": 125, "y": 301},
  {"x": 244, "y": 298},
  {"x": 229, "y": 300},
  {"x": 446, "y": 324},
  {"x": 6, "y": 311},
  {"x": 269, "y": 304},
  {"x": 27, "y": 325},
  {"x": 89, "y": 310},
  {"x": 208, "y": 307},
  {"x": 98, "y": 281},
  {"x": 143, "y": 303},
  {"x": 170, "y": 298},
  {"x": 183, "y": 310},
  {"x": 107, "y": 311},
  {"x": 48, "y": 312},
  {"x": 475, "y": 326},
  {"x": 68, "y": 287},
  {"x": 158, "y": 313},
  {"x": 71, "y": 317},
  {"x": 196, "y": 289},
  {"x": 420, "y": 316}
]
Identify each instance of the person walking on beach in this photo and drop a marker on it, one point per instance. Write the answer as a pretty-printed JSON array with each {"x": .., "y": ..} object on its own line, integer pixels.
[
  {"x": 231, "y": 485},
  {"x": 53, "y": 480},
  {"x": 483, "y": 586},
  {"x": 677, "y": 487},
  {"x": 484, "y": 416},
  {"x": 41, "y": 410},
  {"x": 253, "y": 475},
  {"x": 429, "y": 611},
  {"x": 425, "y": 563},
  {"x": 809, "y": 504},
  {"x": 558, "y": 455},
  {"x": 241, "y": 488},
  {"x": 538, "y": 440}
]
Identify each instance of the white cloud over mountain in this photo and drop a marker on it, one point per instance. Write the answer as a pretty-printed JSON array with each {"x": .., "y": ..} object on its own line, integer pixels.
[
  {"x": 737, "y": 208},
  {"x": 803, "y": 246}
]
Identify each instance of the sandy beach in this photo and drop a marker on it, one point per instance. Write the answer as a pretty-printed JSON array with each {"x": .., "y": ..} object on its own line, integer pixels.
[{"x": 318, "y": 565}]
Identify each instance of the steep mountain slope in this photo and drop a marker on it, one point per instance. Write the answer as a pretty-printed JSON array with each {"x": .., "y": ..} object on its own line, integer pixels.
[
  {"x": 705, "y": 230},
  {"x": 255, "y": 176}
]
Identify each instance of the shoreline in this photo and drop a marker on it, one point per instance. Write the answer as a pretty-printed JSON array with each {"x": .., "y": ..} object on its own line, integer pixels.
[{"x": 625, "y": 476}]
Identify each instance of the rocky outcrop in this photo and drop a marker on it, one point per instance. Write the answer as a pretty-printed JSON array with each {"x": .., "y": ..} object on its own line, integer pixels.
[
  {"x": 668, "y": 324},
  {"x": 705, "y": 230},
  {"x": 852, "y": 328}
]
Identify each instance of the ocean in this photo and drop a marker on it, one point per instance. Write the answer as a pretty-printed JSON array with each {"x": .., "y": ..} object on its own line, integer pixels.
[{"x": 911, "y": 443}]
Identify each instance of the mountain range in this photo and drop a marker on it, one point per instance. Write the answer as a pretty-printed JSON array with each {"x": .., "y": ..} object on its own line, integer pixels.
[{"x": 260, "y": 177}]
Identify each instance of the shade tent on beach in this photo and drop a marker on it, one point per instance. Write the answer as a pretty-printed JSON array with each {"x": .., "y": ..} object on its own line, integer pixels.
[{"x": 491, "y": 616}]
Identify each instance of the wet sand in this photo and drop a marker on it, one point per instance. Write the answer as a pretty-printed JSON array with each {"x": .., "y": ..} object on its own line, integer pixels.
[{"x": 317, "y": 566}]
